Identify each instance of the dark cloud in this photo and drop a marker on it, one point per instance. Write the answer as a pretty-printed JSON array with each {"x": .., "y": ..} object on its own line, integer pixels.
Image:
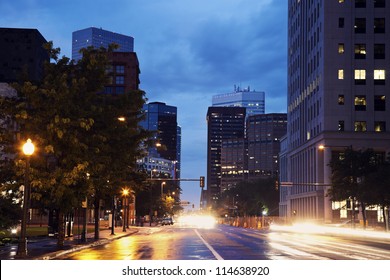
[{"x": 188, "y": 50}]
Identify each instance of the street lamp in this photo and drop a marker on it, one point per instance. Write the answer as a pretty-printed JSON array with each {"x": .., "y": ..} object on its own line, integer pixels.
[
  {"x": 162, "y": 189},
  {"x": 264, "y": 213},
  {"x": 125, "y": 193},
  {"x": 28, "y": 150}
]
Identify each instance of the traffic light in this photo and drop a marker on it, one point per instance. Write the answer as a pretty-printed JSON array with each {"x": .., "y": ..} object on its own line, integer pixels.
[{"x": 201, "y": 181}]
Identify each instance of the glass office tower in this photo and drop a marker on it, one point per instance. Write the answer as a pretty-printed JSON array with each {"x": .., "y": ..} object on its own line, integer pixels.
[{"x": 98, "y": 37}]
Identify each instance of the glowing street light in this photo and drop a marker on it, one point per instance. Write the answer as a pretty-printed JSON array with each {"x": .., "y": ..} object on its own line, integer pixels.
[
  {"x": 28, "y": 149},
  {"x": 125, "y": 193}
]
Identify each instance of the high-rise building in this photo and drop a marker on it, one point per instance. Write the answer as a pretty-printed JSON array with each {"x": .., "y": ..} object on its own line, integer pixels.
[
  {"x": 253, "y": 101},
  {"x": 255, "y": 156},
  {"x": 161, "y": 119},
  {"x": 234, "y": 162},
  {"x": 124, "y": 71},
  {"x": 22, "y": 54},
  {"x": 98, "y": 37},
  {"x": 263, "y": 136},
  {"x": 223, "y": 123},
  {"x": 338, "y": 90}
]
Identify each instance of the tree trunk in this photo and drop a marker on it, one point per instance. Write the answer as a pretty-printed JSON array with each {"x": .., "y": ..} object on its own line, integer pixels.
[
  {"x": 385, "y": 218},
  {"x": 364, "y": 214},
  {"x": 61, "y": 229},
  {"x": 97, "y": 208}
]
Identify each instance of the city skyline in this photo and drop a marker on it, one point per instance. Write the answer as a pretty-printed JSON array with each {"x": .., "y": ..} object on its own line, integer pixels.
[{"x": 187, "y": 52}]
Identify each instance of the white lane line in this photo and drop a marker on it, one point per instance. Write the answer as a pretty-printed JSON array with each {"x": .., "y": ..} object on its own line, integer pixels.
[{"x": 216, "y": 255}]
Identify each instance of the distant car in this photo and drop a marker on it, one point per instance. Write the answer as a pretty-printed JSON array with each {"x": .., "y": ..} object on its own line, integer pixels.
[
  {"x": 166, "y": 221},
  {"x": 348, "y": 224}
]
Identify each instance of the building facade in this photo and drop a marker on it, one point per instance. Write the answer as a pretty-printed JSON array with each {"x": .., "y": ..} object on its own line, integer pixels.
[
  {"x": 123, "y": 73},
  {"x": 338, "y": 67},
  {"x": 98, "y": 37},
  {"x": 223, "y": 123},
  {"x": 253, "y": 101},
  {"x": 22, "y": 55},
  {"x": 256, "y": 156},
  {"x": 263, "y": 136},
  {"x": 161, "y": 119},
  {"x": 124, "y": 67},
  {"x": 234, "y": 162}
]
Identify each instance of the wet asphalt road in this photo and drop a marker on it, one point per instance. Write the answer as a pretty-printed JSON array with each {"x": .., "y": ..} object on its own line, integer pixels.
[{"x": 231, "y": 243}]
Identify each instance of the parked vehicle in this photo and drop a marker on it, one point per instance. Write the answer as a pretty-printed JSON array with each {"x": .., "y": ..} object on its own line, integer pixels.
[{"x": 167, "y": 221}]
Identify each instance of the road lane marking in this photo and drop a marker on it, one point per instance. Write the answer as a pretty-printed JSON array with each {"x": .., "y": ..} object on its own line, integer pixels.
[{"x": 216, "y": 255}]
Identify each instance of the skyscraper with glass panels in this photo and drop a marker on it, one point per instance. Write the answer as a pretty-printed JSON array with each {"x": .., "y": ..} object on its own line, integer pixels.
[
  {"x": 253, "y": 101},
  {"x": 124, "y": 71},
  {"x": 161, "y": 119},
  {"x": 98, "y": 37}
]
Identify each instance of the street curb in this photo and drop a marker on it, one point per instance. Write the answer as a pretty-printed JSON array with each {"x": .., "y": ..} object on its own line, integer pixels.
[{"x": 54, "y": 255}]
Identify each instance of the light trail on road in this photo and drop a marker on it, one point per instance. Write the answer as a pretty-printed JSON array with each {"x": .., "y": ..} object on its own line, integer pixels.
[{"x": 232, "y": 243}]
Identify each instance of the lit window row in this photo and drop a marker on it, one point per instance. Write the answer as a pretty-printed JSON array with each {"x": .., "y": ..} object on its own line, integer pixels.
[
  {"x": 361, "y": 126},
  {"x": 360, "y": 76},
  {"x": 360, "y": 102},
  {"x": 360, "y": 51}
]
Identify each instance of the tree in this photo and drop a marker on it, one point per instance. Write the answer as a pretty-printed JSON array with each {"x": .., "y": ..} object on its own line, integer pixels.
[
  {"x": 377, "y": 186},
  {"x": 10, "y": 211},
  {"x": 83, "y": 149},
  {"x": 350, "y": 171},
  {"x": 253, "y": 197}
]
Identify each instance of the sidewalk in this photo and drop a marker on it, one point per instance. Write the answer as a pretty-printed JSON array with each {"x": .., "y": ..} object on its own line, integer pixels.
[
  {"x": 74, "y": 243},
  {"x": 45, "y": 248}
]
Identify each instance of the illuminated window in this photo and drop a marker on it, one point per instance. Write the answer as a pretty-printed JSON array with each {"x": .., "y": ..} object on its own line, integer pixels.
[
  {"x": 341, "y": 1},
  {"x": 360, "y": 103},
  {"x": 360, "y": 51},
  {"x": 360, "y": 76},
  {"x": 379, "y": 74},
  {"x": 360, "y": 126},
  {"x": 341, "y": 48},
  {"x": 341, "y": 74},
  {"x": 380, "y": 126},
  {"x": 379, "y": 77},
  {"x": 341, "y": 126},
  {"x": 341, "y": 99}
]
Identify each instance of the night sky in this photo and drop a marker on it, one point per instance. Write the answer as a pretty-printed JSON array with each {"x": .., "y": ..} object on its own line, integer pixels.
[{"x": 188, "y": 51}]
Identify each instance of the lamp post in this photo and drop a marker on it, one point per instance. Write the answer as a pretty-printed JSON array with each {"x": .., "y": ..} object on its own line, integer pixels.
[
  {"x": 28, "y": 150},
  {"x": 264, "y": 213},
  {"x": 125, "y": 193},
  {"x": 162, "y": 189},
  {"x": 113, "y": 215}
]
